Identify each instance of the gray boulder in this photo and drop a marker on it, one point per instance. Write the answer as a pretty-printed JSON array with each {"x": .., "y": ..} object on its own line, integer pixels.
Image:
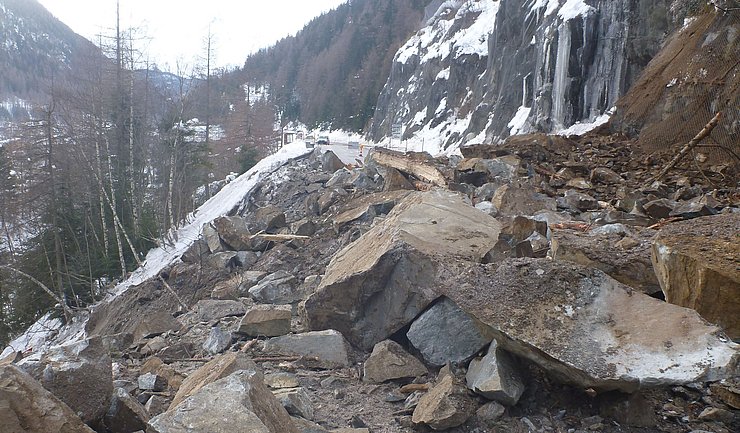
[
  {"x": 328, "y": 348},
  {"x": 126, "y": 414},
  {"x": 495, "y": 376},
  {"x": 445, "y": 333},
  {"x": 296, "y": 401},
  {"x": 238, "y": 402},
  {"x": 382, "y": 281},
  {"x": 79, "y": 374},
  {"x": 217, "y": 341},
  {"x": 209, "y": 310},
  {"x": 268, "y": 218},
  {"x": 276, "y": 288}
]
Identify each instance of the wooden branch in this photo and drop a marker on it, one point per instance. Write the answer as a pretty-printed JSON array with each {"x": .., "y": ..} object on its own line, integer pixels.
[
  {"x": 704, "y": 133},
  {"x": 278, "y": 237},
  {"x": 67, "y": 311}
]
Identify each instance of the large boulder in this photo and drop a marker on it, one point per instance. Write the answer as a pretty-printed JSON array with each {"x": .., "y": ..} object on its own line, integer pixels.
[
  {"x": 238, "y": 402},
  {"x": 217, "y": 368},
  {"x": 586, "y": 328},
  {"x": 26, "y": 407},
  {"x": 382, "y": 281},
  {"x": 697, "y": 265},
  {"x": 444, "y": 333},
  {"x": 233, "y": 232},
  {"x": 80, "y": 374}
]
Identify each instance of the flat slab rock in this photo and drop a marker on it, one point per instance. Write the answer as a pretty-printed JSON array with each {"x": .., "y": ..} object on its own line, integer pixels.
[
  {"x": 382, "y": 281},
  {"x": 587, "y": 328}
]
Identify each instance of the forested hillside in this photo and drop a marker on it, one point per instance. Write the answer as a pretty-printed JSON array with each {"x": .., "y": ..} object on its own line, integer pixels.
[
  {"x": 333, "y": 70},
  {"x": 99, "y": 168}
]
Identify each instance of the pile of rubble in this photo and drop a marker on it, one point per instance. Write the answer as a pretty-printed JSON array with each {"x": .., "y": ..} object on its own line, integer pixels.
[{"x": 544, "y": 285}]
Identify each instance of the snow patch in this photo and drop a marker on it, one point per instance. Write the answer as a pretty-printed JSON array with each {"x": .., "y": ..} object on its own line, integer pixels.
[
  {"x": 516, "y": 125},
  {"x": 574, "y": 8},
  {"x": 582, "y": 128}
]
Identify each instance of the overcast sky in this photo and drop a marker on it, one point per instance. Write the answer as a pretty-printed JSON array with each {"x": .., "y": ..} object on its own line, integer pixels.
[{"x": 177, "y": 28}]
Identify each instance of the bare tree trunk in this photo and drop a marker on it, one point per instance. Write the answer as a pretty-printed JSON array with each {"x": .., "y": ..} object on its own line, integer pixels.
[
  {"x": 112, "y": 204},
  {"x": 132, "y": 169}
]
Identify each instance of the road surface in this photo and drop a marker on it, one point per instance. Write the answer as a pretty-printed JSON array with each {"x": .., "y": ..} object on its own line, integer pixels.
[{"x": 346, "y": 154}]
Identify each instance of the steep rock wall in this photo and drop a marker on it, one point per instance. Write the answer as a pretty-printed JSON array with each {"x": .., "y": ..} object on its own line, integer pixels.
[{"x": 482, "y": 70}]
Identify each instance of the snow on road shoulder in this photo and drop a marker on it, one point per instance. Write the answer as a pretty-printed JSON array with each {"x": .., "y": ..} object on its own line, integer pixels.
[{"x": 48, "y": 331}]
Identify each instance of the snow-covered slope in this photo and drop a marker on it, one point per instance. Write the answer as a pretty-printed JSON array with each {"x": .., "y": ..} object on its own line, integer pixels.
[
  {"x": 481, "y": 70},
  {"x": 47, "y": 331}
]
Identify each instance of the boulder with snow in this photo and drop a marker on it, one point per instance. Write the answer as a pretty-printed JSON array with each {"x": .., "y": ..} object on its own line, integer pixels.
[{"x": 588, "y": 329}]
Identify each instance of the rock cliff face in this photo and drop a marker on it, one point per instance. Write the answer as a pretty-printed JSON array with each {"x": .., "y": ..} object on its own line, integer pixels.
[{"x": 482, "y": 70}]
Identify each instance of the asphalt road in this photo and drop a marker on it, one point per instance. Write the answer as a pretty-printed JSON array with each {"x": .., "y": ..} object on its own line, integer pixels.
[{"x": 346, "y": 154}]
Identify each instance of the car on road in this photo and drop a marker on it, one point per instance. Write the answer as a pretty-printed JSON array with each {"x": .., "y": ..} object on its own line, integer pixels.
[{"x": 323, "y": 139}]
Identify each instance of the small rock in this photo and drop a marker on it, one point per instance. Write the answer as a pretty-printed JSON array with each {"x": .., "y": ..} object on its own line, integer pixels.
[
  {"x": 156, "y": 404},
  {"x": 305, "y": 426},
  {"x": 281, "y": 380},
  {"x": 152, "y": 382},
  {"x": 390, "y": 361},
  {"x": 580, "y": 201},
  {"x": 490, "y": 412},
  {"x": 579, "y": 183},
  {"x": 717, "y": 414},
  {"x": 125, "y": 414},
  {"x": 445, "y": 406},
  {"x": 296, "y": 401},
  {"x": 217, "y": 341},
  {"x": 605, "y": 175},
  {"x": 660, "y": 208}
]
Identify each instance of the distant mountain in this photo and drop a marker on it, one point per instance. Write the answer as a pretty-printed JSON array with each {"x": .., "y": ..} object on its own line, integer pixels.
[{"x": 37, "y": 49}]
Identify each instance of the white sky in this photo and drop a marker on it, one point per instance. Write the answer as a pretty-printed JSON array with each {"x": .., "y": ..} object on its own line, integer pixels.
[{"x": 177, "y": 28}]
